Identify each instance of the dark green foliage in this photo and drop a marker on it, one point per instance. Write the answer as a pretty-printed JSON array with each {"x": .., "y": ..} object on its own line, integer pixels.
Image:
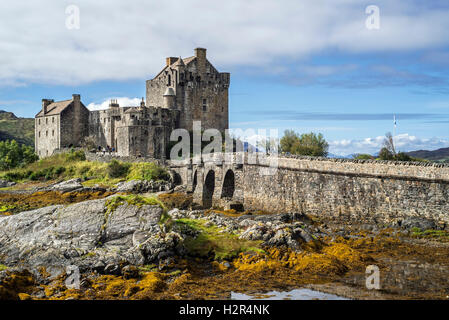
[
  {"x": 385, "y": 154},
  {"x": 75, "y": 155},
  {"x": 14, "y": 155},
  {"x": 306, "y": 144},
  {"x": 364, "y": 156},
  {"x": 117, "y": 169}
]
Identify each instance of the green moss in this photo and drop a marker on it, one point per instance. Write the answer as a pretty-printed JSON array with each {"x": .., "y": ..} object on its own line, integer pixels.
[
  {"x": 440, "y": 235},
  {"x": 89, "y": 255},
  {"x": 132, "y": 199},
  {"x": 6, "y": 207},
  {"x": 148, "y": 268},
  {"x": 3, "y": 267},
  {"x": 214, "y": 242}
]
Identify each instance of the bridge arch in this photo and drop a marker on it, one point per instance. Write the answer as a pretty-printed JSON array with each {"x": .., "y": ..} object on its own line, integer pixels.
[
  {"x": 177, "y": 179},
  {"x": 208, "y": 189},
  {"x": 228, "y": 187},
  {"x": 194, "y": 180}
]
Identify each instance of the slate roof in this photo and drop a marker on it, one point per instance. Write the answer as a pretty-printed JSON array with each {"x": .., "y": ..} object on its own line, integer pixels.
[{"x": 55, "y": 108}]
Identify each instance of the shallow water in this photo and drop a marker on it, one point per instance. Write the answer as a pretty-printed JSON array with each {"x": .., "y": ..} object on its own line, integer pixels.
[{"x": 297, "y": 294}]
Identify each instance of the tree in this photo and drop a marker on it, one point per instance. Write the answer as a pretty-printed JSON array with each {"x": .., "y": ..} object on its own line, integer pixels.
[
  {"x": 389, "y": 144},
  {"x": 388, "y": 151},
  {"x": 385, "y": 154},
  {"x": 290, "y": 137},
  {"x": 363, "y": 156},
  {"x": 13, "y": 155},
  {"x": 307, "y": 144}
]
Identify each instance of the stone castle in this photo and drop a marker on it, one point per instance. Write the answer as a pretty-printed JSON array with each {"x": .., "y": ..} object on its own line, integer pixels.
[{"x": 185, "y": 90}]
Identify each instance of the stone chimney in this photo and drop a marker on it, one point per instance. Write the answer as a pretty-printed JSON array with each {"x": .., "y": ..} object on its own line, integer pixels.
[
  {"x": 170, "y": 60},
  {"x": 200, "y": 54},
  {"x": 45, "y": 104},
  {"x": 76, "y": 97}
]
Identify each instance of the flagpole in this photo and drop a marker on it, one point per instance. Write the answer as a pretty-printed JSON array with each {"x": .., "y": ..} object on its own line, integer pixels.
[{"x": 394, "y": 132}]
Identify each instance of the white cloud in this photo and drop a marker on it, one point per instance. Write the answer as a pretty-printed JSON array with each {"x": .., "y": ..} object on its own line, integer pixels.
[
  {"x": 129, "y": 39},
  {"x": 122, "y": 101},
  {"x": 404, "y": 143}
]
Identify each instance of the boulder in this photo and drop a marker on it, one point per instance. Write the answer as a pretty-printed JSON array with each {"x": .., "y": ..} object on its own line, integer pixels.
[
  {"x": 86, "y": 235},
  {"x": 6, "y": 183},
  {"x": 68, "y": 186},
  {"x": 417, "y": 222}
]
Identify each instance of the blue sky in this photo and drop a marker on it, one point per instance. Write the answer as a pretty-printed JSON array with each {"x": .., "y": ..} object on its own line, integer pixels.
[{"x": 302, "y": 65}]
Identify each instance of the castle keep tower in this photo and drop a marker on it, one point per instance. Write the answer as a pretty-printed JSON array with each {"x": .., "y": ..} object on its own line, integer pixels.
[{"x": 200, "y": 91}]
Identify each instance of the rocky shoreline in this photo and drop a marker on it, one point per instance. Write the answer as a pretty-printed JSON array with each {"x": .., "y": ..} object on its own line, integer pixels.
[{"x": 131, "y": 246}]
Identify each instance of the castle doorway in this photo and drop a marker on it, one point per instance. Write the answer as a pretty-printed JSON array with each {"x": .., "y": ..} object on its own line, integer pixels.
[{"x": 208, "y": 189}]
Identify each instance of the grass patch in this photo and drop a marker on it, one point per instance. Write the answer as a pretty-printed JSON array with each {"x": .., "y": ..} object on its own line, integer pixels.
[
  {"x": 73, "y": 164},
  {"x": 213, "y": 242},
  {"x": 3, "y": 267}
]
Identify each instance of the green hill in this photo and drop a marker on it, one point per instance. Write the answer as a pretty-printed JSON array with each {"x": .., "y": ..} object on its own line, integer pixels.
[{"x": 19, "y": 129}]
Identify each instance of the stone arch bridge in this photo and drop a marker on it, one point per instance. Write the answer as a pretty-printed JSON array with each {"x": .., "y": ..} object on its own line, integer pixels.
[{"x": 352, "y": 189}]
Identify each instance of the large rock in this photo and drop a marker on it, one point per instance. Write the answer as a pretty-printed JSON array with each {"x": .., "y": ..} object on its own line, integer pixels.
[
  {"x": 68, "y": 186},
  {"x": 417, "y": 222},
  {"x": 140, "y": 186},
  {"x": 86, "y": 235},
  {"x": 6, "y": 183}
]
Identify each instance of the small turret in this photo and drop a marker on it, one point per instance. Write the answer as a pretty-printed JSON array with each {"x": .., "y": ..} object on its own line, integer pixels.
[
  {"x": 113, "y": 104},
  {"x": 169, "y": 98}
]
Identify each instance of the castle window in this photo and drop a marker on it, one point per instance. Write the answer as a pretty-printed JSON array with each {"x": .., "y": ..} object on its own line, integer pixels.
[
  {"x": 46, "y": 133},
  {"x": 169, "y": 80},
  {"x": 39, "y": 121},
  {"x": 53, "y": 119},
  {"x": 53, "y": 133},
  {"x": 46, "y": 120},
  {"x": 39, "y": 134},
  {"x": 204, "y": 105}
]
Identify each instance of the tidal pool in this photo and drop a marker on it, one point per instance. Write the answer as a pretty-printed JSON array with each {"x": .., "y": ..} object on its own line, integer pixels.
[{"x": 296, "y": 294}]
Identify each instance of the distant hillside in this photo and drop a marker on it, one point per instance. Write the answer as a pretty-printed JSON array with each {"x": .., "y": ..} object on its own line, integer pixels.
[
  {"x": 435, "y": 155},
  {"x": 19, "y": 129}
]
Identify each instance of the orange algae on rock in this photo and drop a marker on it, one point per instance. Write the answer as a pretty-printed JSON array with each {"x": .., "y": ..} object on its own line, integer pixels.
[
  {"x": 176, "y": 200},
  {"x": 16, "y": 283},
  {"x": 23, "y": 202},
  {"x": 335, "y": 259}
]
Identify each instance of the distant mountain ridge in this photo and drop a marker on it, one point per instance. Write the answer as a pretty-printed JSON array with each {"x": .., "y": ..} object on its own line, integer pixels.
[
  {"x": 16, "y": 128},
  {"x": 435, "y": 155}
]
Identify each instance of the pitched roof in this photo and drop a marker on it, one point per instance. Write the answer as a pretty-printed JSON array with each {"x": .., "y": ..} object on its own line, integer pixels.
[
  {"x": 55, "y": 108},
  {"x": 186, "y": 61}
]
